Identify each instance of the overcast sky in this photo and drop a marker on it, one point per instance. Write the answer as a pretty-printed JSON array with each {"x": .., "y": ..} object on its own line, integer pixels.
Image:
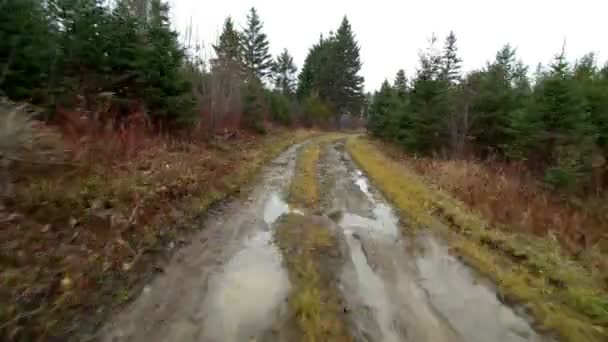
[{"x": 391, "y": 33}]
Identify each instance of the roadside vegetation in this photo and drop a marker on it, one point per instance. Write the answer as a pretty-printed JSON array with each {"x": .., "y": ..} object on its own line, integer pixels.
[{"x": 562, "y": 295}]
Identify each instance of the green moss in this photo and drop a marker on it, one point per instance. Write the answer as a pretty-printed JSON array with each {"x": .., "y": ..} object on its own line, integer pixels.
[{"x": 561, "y": 294}]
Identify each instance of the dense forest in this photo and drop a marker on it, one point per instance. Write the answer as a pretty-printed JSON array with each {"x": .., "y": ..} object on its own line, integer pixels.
[
  {"x": 555, "y": 120},
  {"x": 123, "y": 58}
]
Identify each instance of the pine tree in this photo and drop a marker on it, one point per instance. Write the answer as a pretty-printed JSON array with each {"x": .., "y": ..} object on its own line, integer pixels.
[
  {"x": 27, "y": 49},
  {"x": 450, "y": 62},
  {"x": 349, "y": 83},
  {"x": 166, "y": 91},
  {"x": 400, "y": 83},
  {"x": 256, "y": 58},
  {"x": 320, "y": 72},
  {"x": 228, "y": 49},
  {"x": 284, "y": 74}
]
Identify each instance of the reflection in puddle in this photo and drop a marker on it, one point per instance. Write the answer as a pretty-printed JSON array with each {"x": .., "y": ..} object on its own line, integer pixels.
[
  {"x": 372, "y": 291},
  {"x": 246, "y": 296},
  {"x": 383, "y": 223},
  {"x": 274, "y": 208},
  {"x": 454, "y": 291}
]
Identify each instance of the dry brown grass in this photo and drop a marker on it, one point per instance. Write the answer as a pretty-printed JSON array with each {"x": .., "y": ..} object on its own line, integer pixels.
[
  {"x": 511, "y": 197},
  {"x": 77, "y": 239}
]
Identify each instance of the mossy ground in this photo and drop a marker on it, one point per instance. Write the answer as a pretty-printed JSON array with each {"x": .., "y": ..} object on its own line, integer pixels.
[
  {"x": 562, "y": 296},
  {"x": 76, "y": 244}
]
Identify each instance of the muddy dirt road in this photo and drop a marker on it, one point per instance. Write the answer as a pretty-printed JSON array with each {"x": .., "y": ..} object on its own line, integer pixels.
[{"x": 231, "y": 284}]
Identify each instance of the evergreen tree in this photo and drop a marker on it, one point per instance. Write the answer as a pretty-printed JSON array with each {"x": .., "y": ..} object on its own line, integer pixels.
[
  {"x": 349, "y": 83},
  {"x": 400, "y": 83},
  {"x": 256, "y": 58},
  {"x": 228, "y": 49},
  {"x": 166, "y": 91},
  {"x": 331, "y": 71},
  {"x": 27, "y": 48},
  {"x": 450, "y": 62},
  {"x": 428, "y": 103},
  {"x": 320, "y": 72},
  {"x": 284, "y": 74},
  {"x": 254, "y": 105}
]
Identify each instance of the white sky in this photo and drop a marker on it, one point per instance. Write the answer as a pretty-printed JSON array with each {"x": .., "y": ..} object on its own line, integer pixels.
[{"x": 391, "y": 33}]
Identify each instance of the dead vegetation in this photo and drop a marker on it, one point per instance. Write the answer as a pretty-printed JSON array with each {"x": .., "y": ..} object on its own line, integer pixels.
[
  {"x": 509, "y": 196},
  {"x": 562, "y": 295},
  {"x": 77, "y": 237}
]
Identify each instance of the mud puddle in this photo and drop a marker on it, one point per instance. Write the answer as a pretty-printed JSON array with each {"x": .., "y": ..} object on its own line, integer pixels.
[
  {"x": 406, "y": 289},
  {"x": 228, "y": 284}
]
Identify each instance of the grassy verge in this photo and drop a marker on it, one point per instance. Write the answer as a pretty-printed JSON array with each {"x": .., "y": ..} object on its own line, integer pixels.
[
  {"x": 562, "y": 295},
  {"x": 308, "y": 249},
  {"x": 76, "y": 244}
]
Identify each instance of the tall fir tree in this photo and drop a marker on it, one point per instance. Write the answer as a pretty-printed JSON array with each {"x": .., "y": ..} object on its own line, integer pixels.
[
  {"x": 27, "y": 48},
  {"x": 167, "y": 92},
  {"x": 284, "y": 74},
  {"x": 450, "y": 62},
  {"x": 256, "y": 58},
  {"x": 228, "y": 48},
  {"x": 349, "y": 83},
  {"x": 400, "y": 83}
]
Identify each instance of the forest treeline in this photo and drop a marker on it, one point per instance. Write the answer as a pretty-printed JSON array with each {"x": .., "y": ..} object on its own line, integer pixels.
[
  {"x": 120, "y": 58},
  {"x": 555, "y": 119}
]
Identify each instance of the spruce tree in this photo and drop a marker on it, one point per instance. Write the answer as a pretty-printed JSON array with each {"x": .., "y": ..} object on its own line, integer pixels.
[
  {"x": 256, "y": 58},
  {"x": 400, "y": 83},
  {"x": 228, "y": 48},
  {"x": 284, "y": 74},
  {"x": 349, "y": 83},
  {"x": 450, "y": 62},
  {"x": 166, "y": 90},
  {"x": 27, "y": 48}
]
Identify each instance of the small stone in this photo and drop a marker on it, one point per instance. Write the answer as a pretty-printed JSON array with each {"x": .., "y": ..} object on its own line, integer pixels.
[
  {"x": 73, "y": 222},
  {"x": 45, "y": 228},
  {"x": 147, "y": 290},
  {"x": 66, "y": 283}
]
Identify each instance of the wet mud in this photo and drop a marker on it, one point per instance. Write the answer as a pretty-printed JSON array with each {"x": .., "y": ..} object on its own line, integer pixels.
[
  {"x": 232, "y": 282},
  {"x": 229, "y": 283},
  {"x": 406, "y": 287}
]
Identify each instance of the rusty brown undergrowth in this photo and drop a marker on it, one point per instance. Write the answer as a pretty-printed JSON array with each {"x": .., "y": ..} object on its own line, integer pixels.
[
  {"x": 77, "y": 239},
  {"x": 511, "y": 197}
]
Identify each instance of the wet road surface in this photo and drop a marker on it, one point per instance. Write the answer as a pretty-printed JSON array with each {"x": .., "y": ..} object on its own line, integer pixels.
[{"x": 230, "y": 283}]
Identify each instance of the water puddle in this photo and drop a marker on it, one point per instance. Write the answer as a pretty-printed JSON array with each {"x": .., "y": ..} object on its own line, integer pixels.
[
  {"x": 274, "y": 208},
  {"x": 247, "y": 296},
  {"x": 465, "y": 301},
  {"x": 403, "y": 296},
  {"x": 373, "y": 296}
]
